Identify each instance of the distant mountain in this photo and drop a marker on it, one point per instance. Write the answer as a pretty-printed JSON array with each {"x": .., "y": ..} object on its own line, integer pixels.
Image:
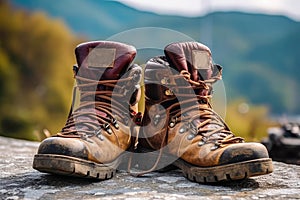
[{"x": 260, "y": 53}]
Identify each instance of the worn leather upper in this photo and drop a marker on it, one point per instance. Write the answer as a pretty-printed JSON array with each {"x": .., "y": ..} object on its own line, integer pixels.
[
  {"x": 178, "y": 116},
  {"x": 101, "y": 128}
]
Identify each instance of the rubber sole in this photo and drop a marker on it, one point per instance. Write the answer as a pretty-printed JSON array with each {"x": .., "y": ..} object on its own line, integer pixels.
[
  {"x": 71, "y": 166},
  {"x": 229, "y": 172}
]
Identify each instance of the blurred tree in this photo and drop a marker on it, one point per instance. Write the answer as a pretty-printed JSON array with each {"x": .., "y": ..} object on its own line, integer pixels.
[{"x": 36, "y": 58}]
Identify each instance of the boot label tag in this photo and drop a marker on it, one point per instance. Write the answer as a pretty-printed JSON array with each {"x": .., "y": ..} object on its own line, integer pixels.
[
  {"x": 201, "y": 59},
  {"x": 101, "y": 57}
]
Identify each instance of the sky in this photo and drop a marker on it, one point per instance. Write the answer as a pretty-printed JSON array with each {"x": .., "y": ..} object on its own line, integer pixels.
[{"x": 192, "y": 8}]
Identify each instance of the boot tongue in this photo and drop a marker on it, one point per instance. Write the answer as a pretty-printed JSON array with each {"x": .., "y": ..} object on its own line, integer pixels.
[
  {"x": 103, "y": 60},
  {"x": 196, "y": 59},
  {"x": 192, "y": 57}
]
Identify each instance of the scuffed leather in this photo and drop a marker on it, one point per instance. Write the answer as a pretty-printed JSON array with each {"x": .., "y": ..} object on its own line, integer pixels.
[
  {"x": 108, "y": 146},
  {"x": 176, "y": 142}
]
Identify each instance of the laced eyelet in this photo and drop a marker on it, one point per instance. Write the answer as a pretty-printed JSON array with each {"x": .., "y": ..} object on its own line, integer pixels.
[
  {"x": 215, "y": 147},
  {"x": 115, "y": 123},
  {"x": 182, "y": 129},
  {"x": 169, "y": 92},
  {"x": 165, "y": 81},
  {"x": 84, "y": 137},
  {"x": 101, "y": 137},
  {"x": 172, "y": 122},
  {"x": 156, "y": 119},
  {"x": 190, "y": 137},
  {"x": 107, "y": 129},
  {"x": 201, "y": 143},
  {"x": 116, "y": 126}
]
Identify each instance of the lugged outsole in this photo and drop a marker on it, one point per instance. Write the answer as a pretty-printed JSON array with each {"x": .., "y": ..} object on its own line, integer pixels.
[
  {"x": 229, "y": 172},
  {"x": 71, "y": 166}
]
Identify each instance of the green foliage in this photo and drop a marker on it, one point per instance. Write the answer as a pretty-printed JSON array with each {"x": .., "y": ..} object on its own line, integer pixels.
[
  {"x": 36, "y": 58},
  {"x": 247, "y": 120}
]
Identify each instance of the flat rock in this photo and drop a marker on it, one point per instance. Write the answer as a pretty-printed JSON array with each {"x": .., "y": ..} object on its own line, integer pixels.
[{"x": 19, "y": 181}]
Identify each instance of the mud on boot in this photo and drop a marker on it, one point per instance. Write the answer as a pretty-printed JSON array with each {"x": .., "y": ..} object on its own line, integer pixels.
[
  {"x": 100, "y": 130},
  {"x": 181, "y": 128}
]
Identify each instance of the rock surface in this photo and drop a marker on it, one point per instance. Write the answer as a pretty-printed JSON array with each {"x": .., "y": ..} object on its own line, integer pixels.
[{"x": 19, "y": 181}]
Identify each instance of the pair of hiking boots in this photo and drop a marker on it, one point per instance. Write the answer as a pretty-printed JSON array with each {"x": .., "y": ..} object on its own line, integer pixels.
[{"x": 178, "y": 127}]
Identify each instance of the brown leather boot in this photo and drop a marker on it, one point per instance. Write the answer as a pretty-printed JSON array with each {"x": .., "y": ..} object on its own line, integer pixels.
[
  {"x": 180, "y": 127},
  {"x": 99, "y": 131}
]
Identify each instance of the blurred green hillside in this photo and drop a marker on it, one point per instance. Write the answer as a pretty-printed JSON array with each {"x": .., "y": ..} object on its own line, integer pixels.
[
  {"x": 260, "y": 55},
  {"x": 36, "y": 58}
]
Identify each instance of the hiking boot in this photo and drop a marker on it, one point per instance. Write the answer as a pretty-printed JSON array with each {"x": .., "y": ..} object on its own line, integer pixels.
[
  {"x": 180, "y": 127},
  {"x": 98, "y": 133}
]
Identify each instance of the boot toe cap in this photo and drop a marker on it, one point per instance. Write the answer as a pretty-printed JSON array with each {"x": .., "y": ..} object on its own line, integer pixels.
[
  {"x": 242, "y": 152},
  {"x": 63, "y": 146}
]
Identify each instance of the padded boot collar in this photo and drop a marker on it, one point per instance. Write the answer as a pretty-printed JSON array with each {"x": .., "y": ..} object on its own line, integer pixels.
[
  {"x": 193, "y": 57},
  {"x": 106, "y": 59}
]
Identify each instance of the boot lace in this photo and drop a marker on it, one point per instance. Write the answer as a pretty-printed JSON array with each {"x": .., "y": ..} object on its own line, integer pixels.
[
  {"x": 206, "y": 122},
  {"x": 211, "y": 126},
  {"x": 97, "y": 109}
]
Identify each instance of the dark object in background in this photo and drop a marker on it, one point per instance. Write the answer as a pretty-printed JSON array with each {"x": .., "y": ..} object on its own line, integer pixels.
[{"x": 283, "y": 143}]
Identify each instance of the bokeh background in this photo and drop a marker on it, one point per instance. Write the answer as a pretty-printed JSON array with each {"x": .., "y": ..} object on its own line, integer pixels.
[{"x": 258, "y": 44}]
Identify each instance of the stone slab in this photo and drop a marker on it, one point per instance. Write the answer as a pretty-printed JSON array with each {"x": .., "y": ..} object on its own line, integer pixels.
[{"x": 19, "y": 181}]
